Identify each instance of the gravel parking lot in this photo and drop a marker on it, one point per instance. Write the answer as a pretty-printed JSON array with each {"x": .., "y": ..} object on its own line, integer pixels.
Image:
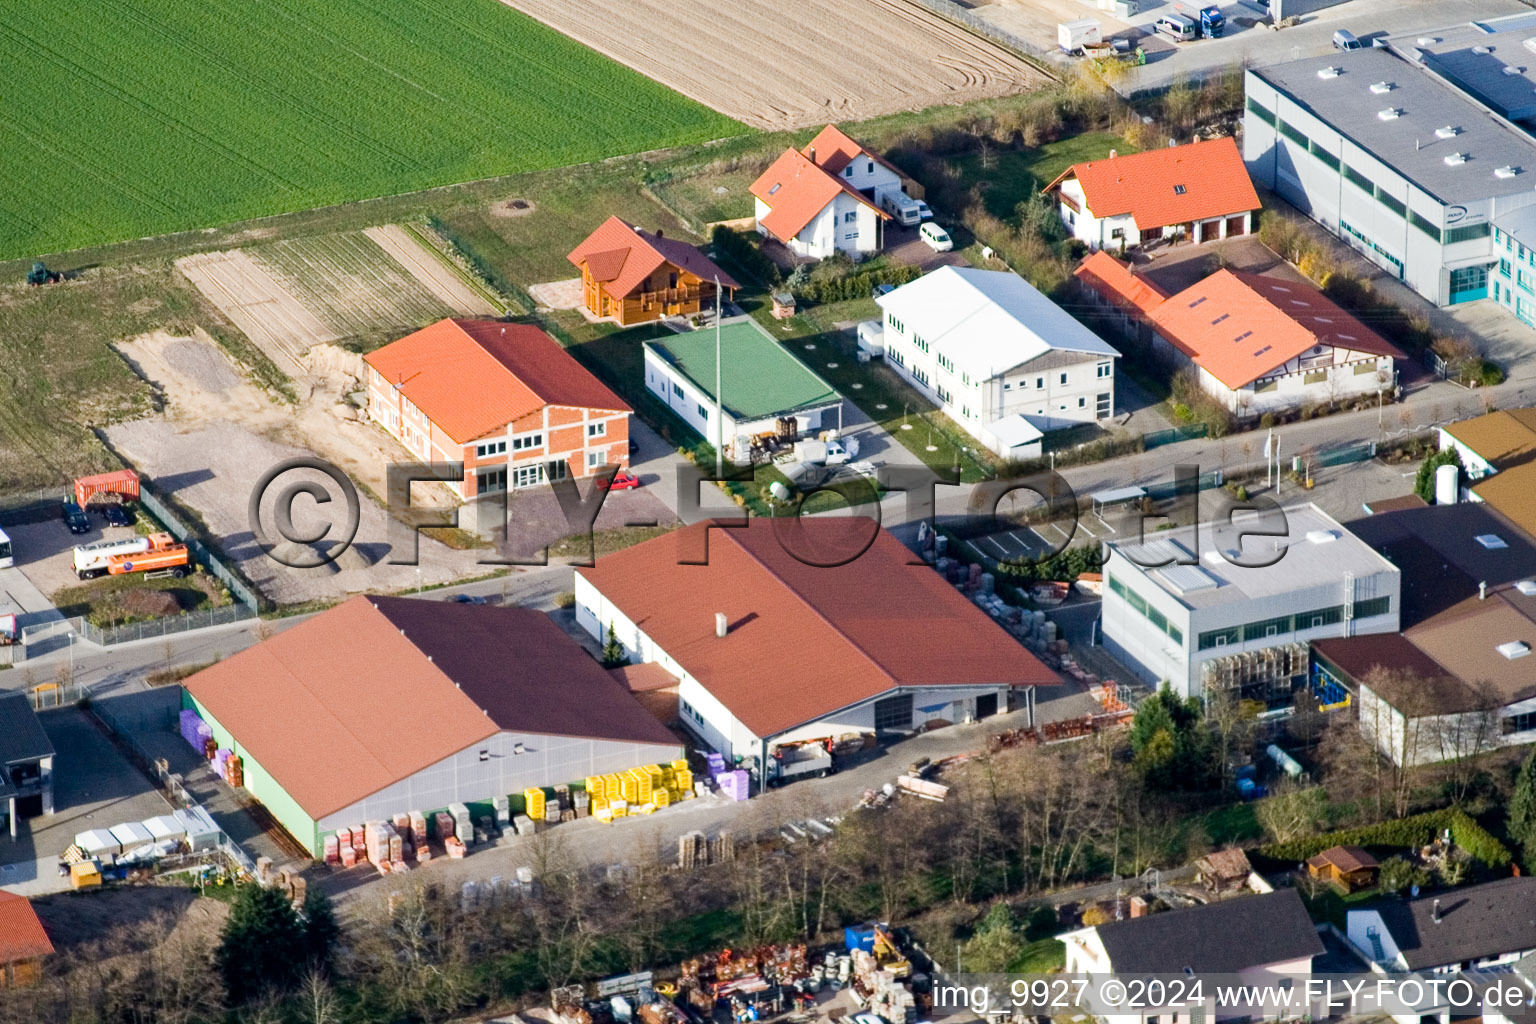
[{"x": 45, "y": 552}]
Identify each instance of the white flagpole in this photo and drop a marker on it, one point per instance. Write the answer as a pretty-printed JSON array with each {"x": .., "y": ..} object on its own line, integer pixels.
[{"x": 719, "y": 397}]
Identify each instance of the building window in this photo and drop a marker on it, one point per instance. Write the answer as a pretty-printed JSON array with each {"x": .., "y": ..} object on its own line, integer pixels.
[
  {"x": 1466, "y": 234},
  {"x": 848, "y": 171},
  {"x": 1523, "y": 722},
  {"x": 1424, "y": 225},
  {"x": 946, "y": 363},
  {"x": 920, "y": 343},
  {"x": 703, "y": 413},
  {"x": 1322, "y": 156},
  {"x": 491, "y": 481},
  {"x": 1220, "y": 637},
  {"x": 1359, "y": 180},
  {"x": 1063, "y": 378},
  {"x": 894, "y": 714},
  {"x": 1039, "y": 382},
  {"x": 1082, "y": 402},
  {"x": 1260, "y": 111},
  {"x": 490, "y": 448},
  {"x": 1469, "y": 279},
  {"x": 1504, "y": 267},
  {"x": 1267, "y": 628},
  {"x": 944, "y": 396},
  {"x": 1320, "y": 617},
  {"x": 922, "y": 377},
  {"x": 595, "y": 459},
  {"x": 527, "y": 476},
  {"x": 1391, "y": 202},
  {"x": 1291, "y": 132},
  {"x": 851, "y": 217},
  {"x": 1372, "y": 607},
  {"x": 527, "y": 441},
  {"x": 677, "y": 389},
  {"x": 597, "y": 430},
  {"x": 1105, "y": 369}
]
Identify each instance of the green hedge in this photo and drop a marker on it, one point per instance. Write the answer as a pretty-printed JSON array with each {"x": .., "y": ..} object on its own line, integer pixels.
[
  {"x": 855, "y": 286},
  {"x": 744, "y": 252},
  {"x": 1405, "y": 832}
]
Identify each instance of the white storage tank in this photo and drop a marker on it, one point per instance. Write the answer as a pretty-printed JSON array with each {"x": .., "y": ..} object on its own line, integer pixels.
[{"x": 1447, "y": 484}]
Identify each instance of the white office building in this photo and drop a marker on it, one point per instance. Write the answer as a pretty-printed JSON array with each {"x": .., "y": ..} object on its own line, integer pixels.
[
  {"x": 1405, "y": 166},
  {"x": 998, "y": 357},
  {"x": 1178, "y": 609}
]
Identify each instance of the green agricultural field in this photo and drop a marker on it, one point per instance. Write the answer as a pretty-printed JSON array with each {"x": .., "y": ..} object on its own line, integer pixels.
[{"x": 140, "y": 117}]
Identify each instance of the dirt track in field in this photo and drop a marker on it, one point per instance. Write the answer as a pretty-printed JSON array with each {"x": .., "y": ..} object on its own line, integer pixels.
[
  {"x": 262, "y": 308},
  {"x": 781, "y": 64},
  {"x": 429, "y": 271}
]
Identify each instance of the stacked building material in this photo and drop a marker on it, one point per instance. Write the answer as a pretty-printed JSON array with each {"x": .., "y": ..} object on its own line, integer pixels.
[
  {"x": 735, "y": 784},
  {"x": 196, "y": 732},
  {"x": 455, "y": 847},
  {"x": 332, "y": 850},
  {"x": 462, "y": 826},
  {"x": 445, "y": 825},
  {"x": 533, "y": 803},
  {"x": 692, "y": 850},
  {"x": 382, "y": 840}
]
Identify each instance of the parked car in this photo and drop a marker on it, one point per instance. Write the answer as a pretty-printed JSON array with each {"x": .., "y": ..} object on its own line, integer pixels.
[
  {"x": 116, "y": 514},
  {"x": 936, "y": 237},
  {"x": 75, "y": 518},
  {"x": 623, "y": 480},
  {"x": 468, "y": 599},
  {"x": 881, "y": 289}
]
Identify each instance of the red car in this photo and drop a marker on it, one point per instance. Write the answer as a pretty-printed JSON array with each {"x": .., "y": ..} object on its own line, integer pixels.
[{"x": 623, "y": 480}]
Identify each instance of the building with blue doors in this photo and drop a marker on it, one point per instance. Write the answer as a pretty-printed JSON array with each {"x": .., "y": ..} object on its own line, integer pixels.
[{"x": 1405, "y": 166}]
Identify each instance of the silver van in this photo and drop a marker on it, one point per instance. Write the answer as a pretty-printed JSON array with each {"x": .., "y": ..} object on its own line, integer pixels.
[
  {"x": 1177, "y": 27},
  {"x": 1344, "y": 39}
]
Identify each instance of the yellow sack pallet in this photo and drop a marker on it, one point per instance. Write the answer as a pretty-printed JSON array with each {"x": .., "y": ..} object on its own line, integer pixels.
[
  {"x": 533, "y": 801},
  {"x": 596, "y": 788}
]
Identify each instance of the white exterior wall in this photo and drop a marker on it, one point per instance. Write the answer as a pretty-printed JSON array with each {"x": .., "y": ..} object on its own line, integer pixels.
[
  {"x": 1338, "y": 204},
  {"x": 1286, "y": 386},
  {"x": 1119, "y": 231},
  {"x": 683, "y": 398},
  {"x": 831, "y": 231},
  {"x": 866, "y": 173},
  {"x": 1133, "y": 638},
  {"x": 1358, "y": 925},
  {"x": 1429, "y": 739},
  {"x": 1476, "y": 466},
  {"x": 720, "y": 729},
  {"x": 1052, "y": 399}
]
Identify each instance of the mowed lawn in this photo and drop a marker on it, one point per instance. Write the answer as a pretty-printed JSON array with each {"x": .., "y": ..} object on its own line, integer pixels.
[{"x": 140, "y": 117}]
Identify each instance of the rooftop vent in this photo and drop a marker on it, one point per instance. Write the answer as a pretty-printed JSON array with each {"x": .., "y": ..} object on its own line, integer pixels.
[
  {"x": 1380, "y": 88},
  {"x": 1530, "y": 44},
  {"x": 1506, "y": 171},
  {"x": 1328, "y": 72},
  {"x": 1321, "y": 536},
  {"x": 1456, "y": 158},
  {"x": 1527, "y": 587},
  {"x": 1390, "y": 114},
  {"x": 1491, "y": 541},
  {"x": 1512, "y": 71},
  {"x": 1514, "y": 649},
  {"x": 1450, "y": 131},
  {"x": 1481, "y": 50},
  {"x": 1428, "y": 40}
]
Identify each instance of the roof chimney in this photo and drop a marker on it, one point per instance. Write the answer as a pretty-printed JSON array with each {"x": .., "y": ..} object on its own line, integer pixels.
[
  {"x": 1113, "y": 154},
  {"x": 1434, "y": 913},
  {"x": 1482, "y": 591},
  {"x": 660, "y": 233},
  {"x": 811, "y": 154},
  {"x": 722, "y": 626}
]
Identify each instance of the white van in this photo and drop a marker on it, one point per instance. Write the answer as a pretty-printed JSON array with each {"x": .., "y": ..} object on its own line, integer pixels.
[
  {"x": 935, "y": 237},
  {"x": 1177, "y": 27},
  {"x": 905, "y": 210},
  {"x": 1344, "y": 39}
]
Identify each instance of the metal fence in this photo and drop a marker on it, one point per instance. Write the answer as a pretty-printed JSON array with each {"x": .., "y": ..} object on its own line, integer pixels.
[
  {"x": 196, "y": 548},
  {"x": 1349, "y": 453},
  {"x": 1173, "y": 435},
  {"x": 1169, "y": 489},
  {"x": 954, "y": 12},
  {"x": 152, "y": 628}
]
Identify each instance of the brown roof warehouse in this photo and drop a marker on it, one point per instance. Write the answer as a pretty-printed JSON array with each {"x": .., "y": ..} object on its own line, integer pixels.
[
  {"x": 769, "y": 649},
  {"x": 385, "y": 705}
]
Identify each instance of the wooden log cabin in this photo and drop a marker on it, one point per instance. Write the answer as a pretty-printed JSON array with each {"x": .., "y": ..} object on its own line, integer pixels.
[
  {"x": 632, "y": 276},
  {"x": 23, "y": 943}
]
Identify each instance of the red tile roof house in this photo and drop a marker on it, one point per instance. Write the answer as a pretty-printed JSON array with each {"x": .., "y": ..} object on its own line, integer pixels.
[
  {"x": 1258, "y": 344},
  {"x": 826, "y": 198},
  {"x": 387, "y": 705},
  {"x": 1200, "y": 192},
  {"x": 505, "y": 399},
  {"x": 770, "y": 650},
  {"x": 632, "y": 276},
  {"x": 23, "y": 943}
]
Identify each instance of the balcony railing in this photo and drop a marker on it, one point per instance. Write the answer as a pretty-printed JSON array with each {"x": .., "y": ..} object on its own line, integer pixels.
[{"x": 685, "y": 294}]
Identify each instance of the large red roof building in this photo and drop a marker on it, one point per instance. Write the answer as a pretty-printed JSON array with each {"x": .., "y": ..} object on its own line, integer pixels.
[
  {"x": 771, "y": 649},
  {"x": 505, "y": 399}
]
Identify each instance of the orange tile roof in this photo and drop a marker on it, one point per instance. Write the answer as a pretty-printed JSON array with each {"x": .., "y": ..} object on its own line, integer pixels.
[
  {"x": 1147, "y": 185},
  {"x": 473, "y": 377},
  {"x": 796, "y": 190},
  {"x": 1115, "y": 282},
  {"x": 1239, "y": 327},
  {"x": 21, "y": 934},
  {"x": 832, "y": 150},
  {"x": 378, "y": 688},
  {"x": 806, "y": 640},
  {"x": 623, "y": 256}
]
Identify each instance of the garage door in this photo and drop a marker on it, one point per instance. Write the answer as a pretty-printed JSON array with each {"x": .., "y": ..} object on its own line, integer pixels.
[
  {"x": 894, "y": 714},
  {"x": 1235, "y": 226},
  {"x": 986, "y": 705}
]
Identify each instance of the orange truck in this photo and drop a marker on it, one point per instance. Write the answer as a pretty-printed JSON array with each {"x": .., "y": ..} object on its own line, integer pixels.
[{"x": 164, "y": 553}]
